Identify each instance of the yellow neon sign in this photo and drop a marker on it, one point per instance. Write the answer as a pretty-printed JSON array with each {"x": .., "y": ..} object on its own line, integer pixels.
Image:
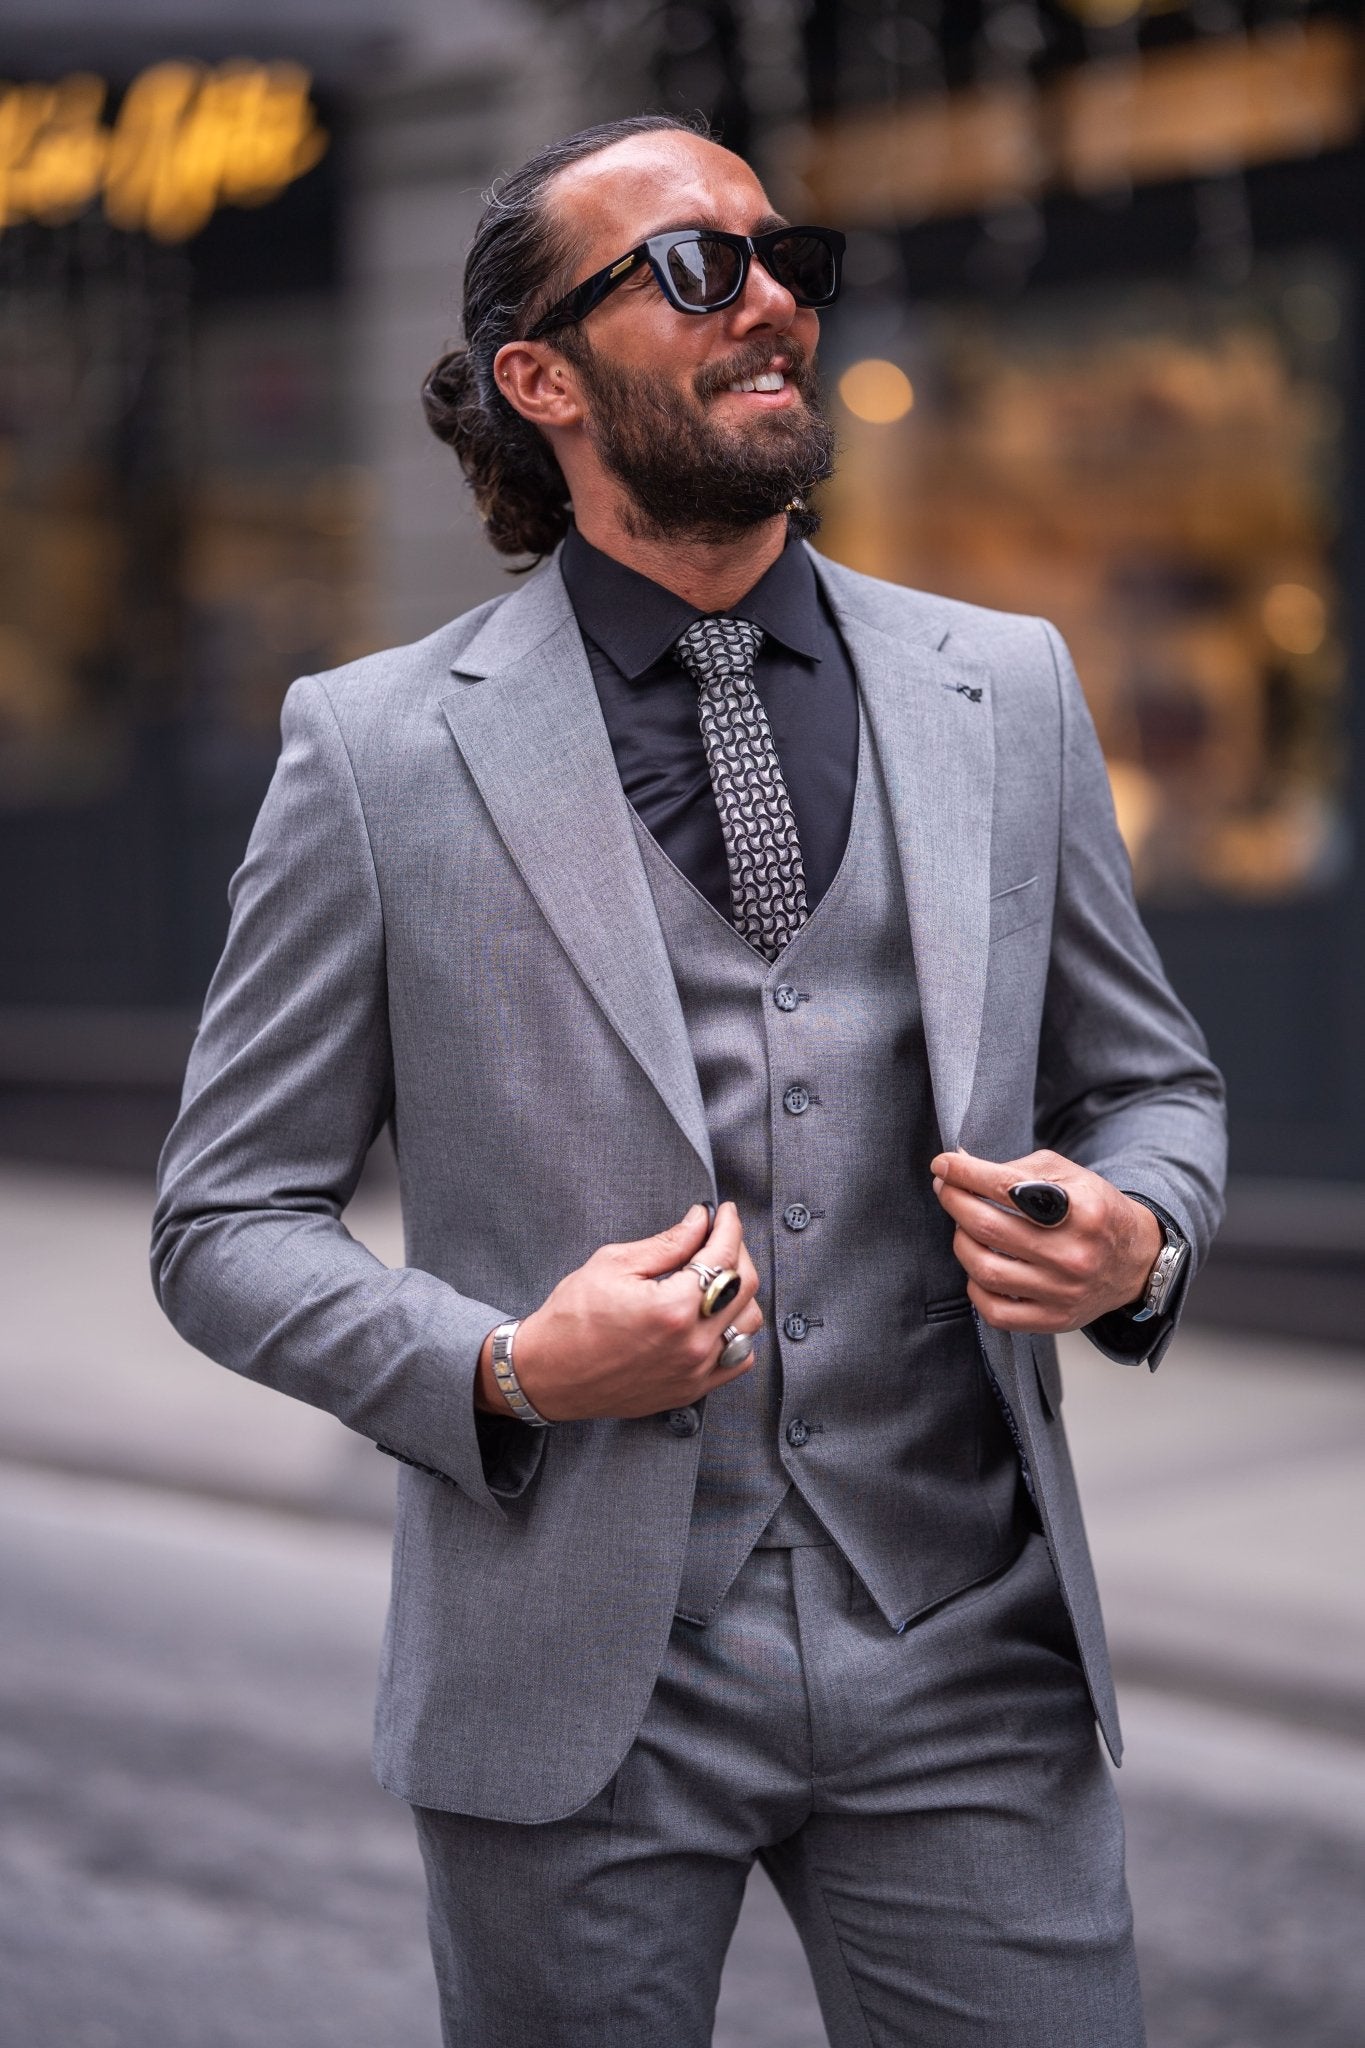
[{"x": 188, "y": 139}]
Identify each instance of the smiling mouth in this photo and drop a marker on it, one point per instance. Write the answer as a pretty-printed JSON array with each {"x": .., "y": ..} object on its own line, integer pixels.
[
  {"x": 750, "y": 374},
  {"x": 766, "y": 380}
]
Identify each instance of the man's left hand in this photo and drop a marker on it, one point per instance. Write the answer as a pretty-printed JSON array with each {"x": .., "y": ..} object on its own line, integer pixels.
[{"x": 1024, "y": 1276}]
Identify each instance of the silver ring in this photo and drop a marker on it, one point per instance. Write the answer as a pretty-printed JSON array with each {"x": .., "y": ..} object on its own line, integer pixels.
[
  {"x": 705, "y": 1274},
  {"x": 737, "y": 1349}
]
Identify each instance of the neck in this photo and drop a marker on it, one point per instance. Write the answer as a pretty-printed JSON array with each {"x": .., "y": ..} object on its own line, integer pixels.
[{"x": 712, "y": 575}]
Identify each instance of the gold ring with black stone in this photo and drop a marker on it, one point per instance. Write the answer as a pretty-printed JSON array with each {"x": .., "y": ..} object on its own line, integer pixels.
[
  {"x": 719, "y": 1291},
  {"x": 719, "y": 1285}
]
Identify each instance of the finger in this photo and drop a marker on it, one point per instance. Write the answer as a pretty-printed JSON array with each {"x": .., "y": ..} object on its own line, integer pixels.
[
  {"x": 993, "y": 1179},
  {"x": 985, "y": 1177},
  {"x": 669, "y": 1249},
  {"x": 748, "y": 1321},
  {"x": 723, "y": 1250},
  {"x": 987, "y": 1221},
  {"x": 1009, "y": 1235},
  {"x": 706, "y": 1342},
  {"x": 1028, "y": 1318},
  {"x": 718, "y": 1375},
  {"x": 749, "y": 1281},
  {"x": 1012, "y": 1278},
  {"x": 724, "y": 1245}
]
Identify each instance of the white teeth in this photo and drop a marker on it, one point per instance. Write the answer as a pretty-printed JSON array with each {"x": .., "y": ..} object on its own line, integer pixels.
[{"x": 769, "y": 380}]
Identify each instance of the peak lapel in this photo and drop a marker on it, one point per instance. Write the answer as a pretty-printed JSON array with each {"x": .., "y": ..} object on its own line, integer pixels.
[
  {"x": 525, "y": 716},
  {"x": 932, "y": 720}
]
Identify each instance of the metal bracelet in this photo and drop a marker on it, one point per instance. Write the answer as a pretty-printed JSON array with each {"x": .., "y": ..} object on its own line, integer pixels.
[{"x": 507, "y": 1380}]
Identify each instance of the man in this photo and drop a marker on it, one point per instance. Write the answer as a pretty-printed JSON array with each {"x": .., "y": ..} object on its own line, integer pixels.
[{"x": 700, "y": 871}]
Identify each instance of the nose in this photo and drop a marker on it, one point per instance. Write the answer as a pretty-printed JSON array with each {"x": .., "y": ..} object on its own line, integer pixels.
[{"x": 762, "y": 303}]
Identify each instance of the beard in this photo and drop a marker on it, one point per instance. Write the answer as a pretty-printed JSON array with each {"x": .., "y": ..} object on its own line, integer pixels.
[{"x": 683, "y": 475}]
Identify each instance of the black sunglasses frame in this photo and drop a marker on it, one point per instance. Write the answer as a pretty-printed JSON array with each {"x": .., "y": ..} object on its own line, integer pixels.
[{"x": 577, "y": 304}]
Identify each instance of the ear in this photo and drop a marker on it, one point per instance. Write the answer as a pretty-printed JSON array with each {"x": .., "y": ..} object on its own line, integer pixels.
[{"x": 535, "y": 378}]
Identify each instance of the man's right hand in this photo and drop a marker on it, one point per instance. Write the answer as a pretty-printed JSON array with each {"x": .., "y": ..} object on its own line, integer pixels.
[{"x": 624, "y": 1335}]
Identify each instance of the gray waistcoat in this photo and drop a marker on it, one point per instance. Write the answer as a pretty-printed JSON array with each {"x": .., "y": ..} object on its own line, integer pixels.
[{"x": 869, "y": 1398}]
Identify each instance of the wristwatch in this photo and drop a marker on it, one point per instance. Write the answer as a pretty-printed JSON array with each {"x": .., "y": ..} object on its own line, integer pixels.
[{"x": 1161, "y": 1281}]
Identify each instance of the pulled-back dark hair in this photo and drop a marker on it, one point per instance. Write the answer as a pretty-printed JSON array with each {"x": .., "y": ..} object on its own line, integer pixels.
[{"x": 518, "y": 265}]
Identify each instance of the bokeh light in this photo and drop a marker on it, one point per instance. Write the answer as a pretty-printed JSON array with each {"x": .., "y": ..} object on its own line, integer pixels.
[
  {"x": 876, "y": 391},
  {"x": 1295, "y": 617}
]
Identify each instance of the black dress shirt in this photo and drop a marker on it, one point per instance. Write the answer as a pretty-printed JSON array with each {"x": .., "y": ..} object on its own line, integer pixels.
[{"x": 804, "y": 680}]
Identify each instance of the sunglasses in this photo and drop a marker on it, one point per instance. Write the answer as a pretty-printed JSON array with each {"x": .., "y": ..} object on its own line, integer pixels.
[{"x": 699, "y": 270}]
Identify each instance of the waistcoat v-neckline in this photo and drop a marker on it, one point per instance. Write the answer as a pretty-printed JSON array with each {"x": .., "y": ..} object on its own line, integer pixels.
[{"x": 838, "y": 885}]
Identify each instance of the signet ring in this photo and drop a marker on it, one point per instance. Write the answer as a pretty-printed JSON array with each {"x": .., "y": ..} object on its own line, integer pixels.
[{"x": 719, "y": 1286}]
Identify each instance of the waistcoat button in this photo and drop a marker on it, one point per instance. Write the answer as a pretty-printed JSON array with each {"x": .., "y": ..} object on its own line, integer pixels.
[
  {"x": 785, "y": 996},
  {"x": 798, "y": 1434},
  {"x": 796, "y": 1327},
  {"x": 796, "y": 1101},
  {"x": 796, "y": 1216},
  {"x": 684, "y": 1421}
]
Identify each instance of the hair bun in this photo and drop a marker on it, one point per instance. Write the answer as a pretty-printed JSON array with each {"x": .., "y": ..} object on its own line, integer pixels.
[
  {"x": 515, "y": 263},
  {"x": 447, "y": 390}
]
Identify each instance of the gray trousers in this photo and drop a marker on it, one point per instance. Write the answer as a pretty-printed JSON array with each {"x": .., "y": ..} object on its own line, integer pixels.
[{"x": 932, "y": 1807}]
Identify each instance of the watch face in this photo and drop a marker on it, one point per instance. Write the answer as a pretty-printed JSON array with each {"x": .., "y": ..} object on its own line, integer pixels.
[{"x": 1169, "y": 1266}]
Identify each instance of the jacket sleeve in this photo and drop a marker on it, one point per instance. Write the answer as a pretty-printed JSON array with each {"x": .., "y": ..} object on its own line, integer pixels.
[
  {"x": 1125, "y": 1083},
  {"x": 289, "y": 1082}
]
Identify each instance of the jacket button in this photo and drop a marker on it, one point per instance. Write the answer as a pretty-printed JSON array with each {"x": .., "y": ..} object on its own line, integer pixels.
[
  {"x": 798, "y": 1433},
  {"x": 796, "y": 1101},
  {"x": 796, "y": 1216},
  {"x": 785, "y": 996},
  {"x": 684, "y": 1421},
  {"x": 796, "y": 1327}
]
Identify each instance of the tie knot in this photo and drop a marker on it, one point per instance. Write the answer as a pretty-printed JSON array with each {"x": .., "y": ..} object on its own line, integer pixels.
[{"x": 720, "y": 652}]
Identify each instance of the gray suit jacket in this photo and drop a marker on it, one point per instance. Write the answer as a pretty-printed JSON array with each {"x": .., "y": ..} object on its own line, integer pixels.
[{"x": 442, "y": 921}]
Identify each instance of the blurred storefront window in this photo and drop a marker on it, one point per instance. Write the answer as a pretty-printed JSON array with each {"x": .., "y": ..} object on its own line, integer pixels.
[
  {"x": 263, "y": 577},
  {"x": 183, "y": 527},
  {"x": 1154, "y": 466},
  {"x": 275, "y": 564}
]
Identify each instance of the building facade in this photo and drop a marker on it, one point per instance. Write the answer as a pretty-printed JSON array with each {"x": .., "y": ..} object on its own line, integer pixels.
[{"x": 1098, "y": 359}]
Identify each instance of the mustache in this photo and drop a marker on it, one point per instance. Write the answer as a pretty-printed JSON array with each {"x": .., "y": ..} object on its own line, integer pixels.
[{"x": 787, "y": 355}]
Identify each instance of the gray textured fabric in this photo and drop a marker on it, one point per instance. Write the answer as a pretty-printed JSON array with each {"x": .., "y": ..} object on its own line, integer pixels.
[
  {"x": 443, "y": 921},
  {"x": 762, "y": 850},
  {"x": 870, "y": 1393},
  {"x": 932, "y": 1807}
]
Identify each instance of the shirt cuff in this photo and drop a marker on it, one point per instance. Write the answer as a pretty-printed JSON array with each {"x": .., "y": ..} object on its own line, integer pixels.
[{"x": 1117, "y": 1334}]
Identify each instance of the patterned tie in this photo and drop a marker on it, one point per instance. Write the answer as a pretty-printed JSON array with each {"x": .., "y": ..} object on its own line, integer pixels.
[{"x": 762, "y": 851}]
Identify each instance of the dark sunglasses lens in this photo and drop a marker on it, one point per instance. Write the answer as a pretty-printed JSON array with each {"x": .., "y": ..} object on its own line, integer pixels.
[
  {"x": 703, "y": 271},
  {"x": 806, "y": 265}
]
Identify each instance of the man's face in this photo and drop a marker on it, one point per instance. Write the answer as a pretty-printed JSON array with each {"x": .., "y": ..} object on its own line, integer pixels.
[{"x": 696, "y": 454}]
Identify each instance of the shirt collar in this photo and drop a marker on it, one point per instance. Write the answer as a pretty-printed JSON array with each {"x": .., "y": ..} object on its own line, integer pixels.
[{"x": 635, "y": 621}]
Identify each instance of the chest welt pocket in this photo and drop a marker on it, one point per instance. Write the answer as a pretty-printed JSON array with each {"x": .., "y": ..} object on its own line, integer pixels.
[
  {"x": 1013, "y": 908},
  {"x": 950, "y": 1308}
]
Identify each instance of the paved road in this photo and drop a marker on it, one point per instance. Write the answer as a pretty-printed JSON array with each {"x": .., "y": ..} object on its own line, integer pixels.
[{"x": 196, "y": 1857}]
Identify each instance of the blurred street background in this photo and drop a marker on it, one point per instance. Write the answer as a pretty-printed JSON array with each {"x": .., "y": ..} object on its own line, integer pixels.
[{"x": 1099, "y": 357}]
